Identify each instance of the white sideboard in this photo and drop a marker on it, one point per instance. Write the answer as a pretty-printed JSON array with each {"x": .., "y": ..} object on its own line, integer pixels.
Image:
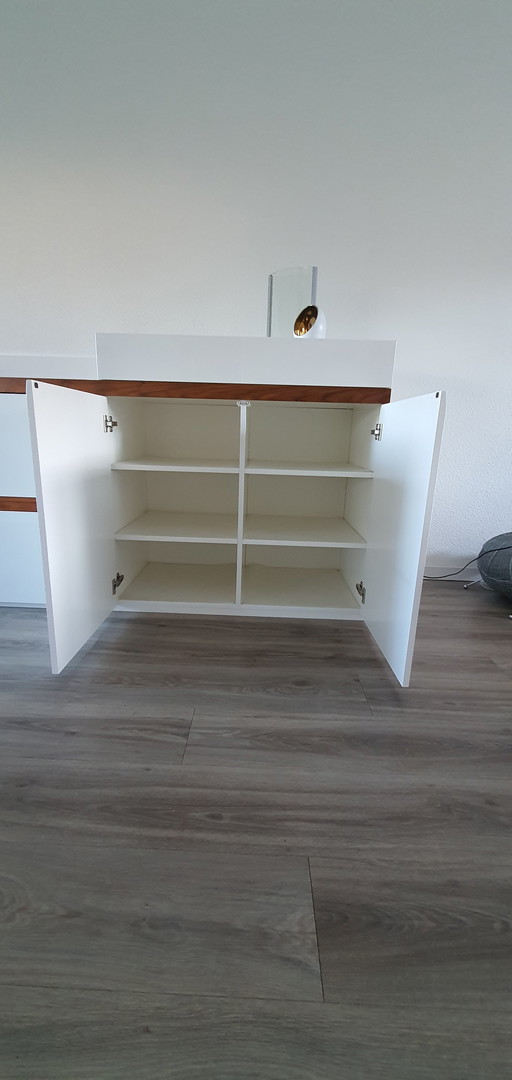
[{"x": 176, "y": 489}]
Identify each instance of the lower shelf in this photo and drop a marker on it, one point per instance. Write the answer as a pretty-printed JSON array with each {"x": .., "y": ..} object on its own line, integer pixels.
[
  {"x": 183, "y": 583},
  {"x": 273, "y": 586},
  {"x": 266, "y": 590}
]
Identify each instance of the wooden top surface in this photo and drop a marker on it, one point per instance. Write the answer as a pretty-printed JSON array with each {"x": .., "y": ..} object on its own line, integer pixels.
[{"x": 371, "y": 395}]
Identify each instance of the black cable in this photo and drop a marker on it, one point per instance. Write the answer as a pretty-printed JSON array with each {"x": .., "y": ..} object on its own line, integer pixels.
[{"x": 490, "y": 551}]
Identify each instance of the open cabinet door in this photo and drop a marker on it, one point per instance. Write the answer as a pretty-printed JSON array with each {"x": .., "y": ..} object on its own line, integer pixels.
[
  {"x": 405, "y": 463},
  {"x": 73, "y": 487}
]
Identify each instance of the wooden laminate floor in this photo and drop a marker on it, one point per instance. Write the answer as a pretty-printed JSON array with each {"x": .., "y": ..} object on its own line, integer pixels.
[{"x": 237, "y": 850}]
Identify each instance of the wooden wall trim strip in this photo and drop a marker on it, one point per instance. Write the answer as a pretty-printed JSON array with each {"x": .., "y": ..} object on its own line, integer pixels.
[
  {"x": 371, "y": 395},
  {"x": 15, "y": 502},
  {"x": 12, "y": 386}
]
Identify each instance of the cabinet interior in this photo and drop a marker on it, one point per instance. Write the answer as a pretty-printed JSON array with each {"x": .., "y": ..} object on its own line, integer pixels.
[{"x": 258, "y": 509}]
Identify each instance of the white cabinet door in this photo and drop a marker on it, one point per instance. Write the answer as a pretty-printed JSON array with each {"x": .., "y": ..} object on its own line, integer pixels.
[
  {"x": 405, "y": 466},
  {"x": 72, "y": 458}
]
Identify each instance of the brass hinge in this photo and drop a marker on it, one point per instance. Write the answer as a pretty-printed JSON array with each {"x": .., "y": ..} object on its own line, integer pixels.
[
  {"x": 116, "y": 581},
  {"x": 109, "y": 423},
  {"x": 361, "y": 591}
]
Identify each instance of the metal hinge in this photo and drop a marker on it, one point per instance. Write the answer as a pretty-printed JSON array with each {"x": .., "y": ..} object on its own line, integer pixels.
[
  {"x": 109, "y": 423},
  {"x": 243, "y": 403},
  {"x": 116, "y": 581},
  {"x": 361, "y": 590},
  {"x": 377, "y": 432}
]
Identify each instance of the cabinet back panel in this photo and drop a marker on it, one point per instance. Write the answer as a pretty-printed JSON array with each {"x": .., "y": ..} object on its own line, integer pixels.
[
  {"x": 130, "y": 559},
  {"x": 129, "y": 497},
  {"x": 299, "y": 434},
  {"x": 361, "y": 440},
  {"x": 351, "y": 562},
  {"x": 294, "y": 557},
  {"x": 192, "y": 492},
  {"x": 200, "y": 554},
  {"x": 300, "y": 496},
  {"x": 357, "y": 504},
  {"x": 183, "y": 429},
  {"x": 128, "y": 438}
]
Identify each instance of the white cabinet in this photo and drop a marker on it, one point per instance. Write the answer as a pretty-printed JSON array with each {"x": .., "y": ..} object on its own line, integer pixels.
[{"x": 274, "y": 508}]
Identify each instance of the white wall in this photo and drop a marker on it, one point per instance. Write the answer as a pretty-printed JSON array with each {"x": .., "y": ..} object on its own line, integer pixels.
[{"x": 160, "y": 157}]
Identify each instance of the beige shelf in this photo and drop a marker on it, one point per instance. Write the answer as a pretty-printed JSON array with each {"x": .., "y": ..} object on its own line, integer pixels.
[
  {"x": 272, "y": 586},
  {"x": 200, "y": 528},
  {"x": 155, "y": 464},
  {"x": 304, "y": 531},
  {"x": 305, "y": 468},
  {"x": 182, "y": 583}
]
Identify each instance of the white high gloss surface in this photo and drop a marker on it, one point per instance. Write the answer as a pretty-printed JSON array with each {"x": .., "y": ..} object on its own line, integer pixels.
[
  {"x": 73, "y": 490},
  {"x": 405, "y": 467},
  {"x": 156, "y": 357}
]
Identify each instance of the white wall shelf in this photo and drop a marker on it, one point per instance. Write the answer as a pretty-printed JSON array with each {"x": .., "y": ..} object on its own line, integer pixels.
[
  {"x": 304, "y": 468},
  {"x": 193, "y": 527},
  {"x": 253, "y": 468},
  {"x": 154, "y": 464},
  {"x": 307, "y": 531}
]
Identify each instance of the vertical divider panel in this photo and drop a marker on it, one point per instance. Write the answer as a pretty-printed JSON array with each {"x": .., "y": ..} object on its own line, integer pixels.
[{"x": 243, "y": 406}]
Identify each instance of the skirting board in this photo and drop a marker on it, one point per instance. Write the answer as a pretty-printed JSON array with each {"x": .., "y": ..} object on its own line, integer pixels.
[{"x": 7, "y": 603}]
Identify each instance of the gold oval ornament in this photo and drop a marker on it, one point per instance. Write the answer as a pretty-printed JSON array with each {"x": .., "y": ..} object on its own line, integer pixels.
[{"x": 305, "y": 321}]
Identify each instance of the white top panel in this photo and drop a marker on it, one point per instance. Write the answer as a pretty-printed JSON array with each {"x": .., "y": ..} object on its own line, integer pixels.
[
  {"x": 48, "y": 367},
  {"x": 295, "y": 361}
]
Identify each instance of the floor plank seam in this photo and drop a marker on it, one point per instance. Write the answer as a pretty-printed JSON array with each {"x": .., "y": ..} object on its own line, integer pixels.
[
  {"x": 365, "y": 696},
  {"x": 316, "y": 930},
  {"x": 188, "y": 736}
]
